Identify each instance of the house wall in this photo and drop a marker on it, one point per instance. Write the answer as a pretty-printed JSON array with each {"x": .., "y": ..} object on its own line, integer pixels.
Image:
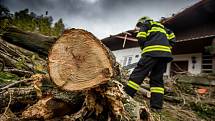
[
  {"x": 133, "y": 52},
  {"x": 130, "y": 52},
  {"x": 188, "y": 57}
]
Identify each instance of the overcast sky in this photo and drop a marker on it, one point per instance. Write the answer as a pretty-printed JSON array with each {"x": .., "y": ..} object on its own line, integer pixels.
[{"x": 101, "y": 17}]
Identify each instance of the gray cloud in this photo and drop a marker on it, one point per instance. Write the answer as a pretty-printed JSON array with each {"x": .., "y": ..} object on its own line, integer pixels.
[{"x": 101, "y": 17}]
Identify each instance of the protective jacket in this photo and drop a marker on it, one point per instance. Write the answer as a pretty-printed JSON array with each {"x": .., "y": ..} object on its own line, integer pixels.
[{"x": 155, "y": 40}]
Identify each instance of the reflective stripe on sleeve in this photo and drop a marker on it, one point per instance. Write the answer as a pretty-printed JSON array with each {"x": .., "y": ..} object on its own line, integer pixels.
[
  {"x": 141, "y": 34},
  {"x": 170, "y": 36}
]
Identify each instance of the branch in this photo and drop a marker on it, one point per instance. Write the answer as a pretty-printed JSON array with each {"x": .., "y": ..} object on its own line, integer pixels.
[{"x": 17, "y": 82}]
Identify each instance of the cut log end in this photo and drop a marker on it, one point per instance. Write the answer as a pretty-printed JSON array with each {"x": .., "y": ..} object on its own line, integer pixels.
[{"x": 79, "y": 61}]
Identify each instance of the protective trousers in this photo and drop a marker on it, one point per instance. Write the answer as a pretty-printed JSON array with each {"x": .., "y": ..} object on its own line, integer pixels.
[{"x": 156, "y": 66}]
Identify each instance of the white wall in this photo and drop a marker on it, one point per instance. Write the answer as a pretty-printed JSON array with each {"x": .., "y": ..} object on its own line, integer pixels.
[
  {"x": 120, "y": 54},
  {"x": 188, "y": 57}
]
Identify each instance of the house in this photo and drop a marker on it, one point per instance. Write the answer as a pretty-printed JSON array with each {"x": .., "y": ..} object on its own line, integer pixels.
[{"x": 194, "y": 51}]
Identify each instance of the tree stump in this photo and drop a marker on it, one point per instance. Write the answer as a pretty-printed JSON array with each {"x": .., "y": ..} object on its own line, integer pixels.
[{"x": 78, "y": 61}]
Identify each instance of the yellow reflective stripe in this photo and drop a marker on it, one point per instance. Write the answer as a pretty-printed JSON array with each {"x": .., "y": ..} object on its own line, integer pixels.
[
  {"x": 156, "y": 23},
  {"x": 157, "y": 90},
  {"x": 171, "y": 36},
  {"x": 142, "y": 34},
  {"x": 130, "y": 85},
  {"x": 156, "y": 29},
  {"x": 133, "y": 85},
  {"x": 144, "y": 51},
  {"x": 156, "y": 48}
]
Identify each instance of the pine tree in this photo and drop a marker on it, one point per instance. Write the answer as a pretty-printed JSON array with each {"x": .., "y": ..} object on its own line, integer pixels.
[
  {"x": 5, "y": 18},
  {"x": 58, "y": 27},
  {"x": 30, "y": 22}
]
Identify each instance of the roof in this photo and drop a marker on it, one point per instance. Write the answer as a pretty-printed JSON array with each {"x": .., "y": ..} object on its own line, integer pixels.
[
  {"x": 117, "y": 42},
  {"x": 199, "y": 13},
  {"x": 193, "y": 23}
]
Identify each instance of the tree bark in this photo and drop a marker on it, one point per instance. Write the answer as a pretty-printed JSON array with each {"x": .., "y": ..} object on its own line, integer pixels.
[
  {"x": 31, "y": 41},
  {"x": 21, "y": 95}
]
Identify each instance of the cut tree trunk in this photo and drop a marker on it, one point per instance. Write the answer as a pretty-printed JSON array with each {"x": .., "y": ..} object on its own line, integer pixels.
[{"x": 79, "y": 61}]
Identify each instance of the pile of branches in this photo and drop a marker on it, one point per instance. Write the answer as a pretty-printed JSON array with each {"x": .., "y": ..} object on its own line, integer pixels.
[
  {"x": 53, "y": 89},
  {"x": 190, "y": 97}
]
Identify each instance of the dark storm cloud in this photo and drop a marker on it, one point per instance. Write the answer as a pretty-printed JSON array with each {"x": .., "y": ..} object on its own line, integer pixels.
[{"x": 102, "y": 17}]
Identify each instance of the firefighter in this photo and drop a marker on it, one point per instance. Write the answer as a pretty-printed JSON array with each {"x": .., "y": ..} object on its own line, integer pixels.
[{"x": 156, "y": 42}]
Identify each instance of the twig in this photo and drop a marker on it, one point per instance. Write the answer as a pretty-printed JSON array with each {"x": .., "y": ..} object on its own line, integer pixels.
[
  {"x": 17, "y": 82},
  {"x": 3, "y": 64},
  {"x": 8, "y": 106},
  {"x": 14, "y": 70}
]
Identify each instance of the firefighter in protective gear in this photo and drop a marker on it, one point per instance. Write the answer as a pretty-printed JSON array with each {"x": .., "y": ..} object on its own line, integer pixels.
[{"x": 156, "y": 42}]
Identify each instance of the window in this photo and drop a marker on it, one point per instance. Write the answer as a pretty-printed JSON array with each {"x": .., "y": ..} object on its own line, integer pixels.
[
  {"x": 136, "y": 56},
  {"x": 129, "y": 60},
  {"x": 207, "y": 63},
  {"x": 126, "y": 60}
]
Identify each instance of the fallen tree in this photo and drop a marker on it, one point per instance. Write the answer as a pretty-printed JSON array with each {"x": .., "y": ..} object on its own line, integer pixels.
[
  {"x": 31, "y": 41},
  {"x": 85, "y": 84}
]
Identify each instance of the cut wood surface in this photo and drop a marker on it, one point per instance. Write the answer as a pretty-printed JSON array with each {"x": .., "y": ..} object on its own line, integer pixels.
[{"x": 78, "y": 61}]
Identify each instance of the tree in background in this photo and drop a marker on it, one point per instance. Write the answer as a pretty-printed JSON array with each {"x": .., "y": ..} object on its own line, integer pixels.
[
  {"x": 30, "y": 22},
  {"x": 24, "y": 20},
  {"x": 58, "y": 28},
  {"x": 44, "y": 25},
  {"x": 5, "y": 18}
]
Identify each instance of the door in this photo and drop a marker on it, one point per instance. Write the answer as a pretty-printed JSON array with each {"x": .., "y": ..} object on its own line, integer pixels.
[{"x": 178, "y": 67}]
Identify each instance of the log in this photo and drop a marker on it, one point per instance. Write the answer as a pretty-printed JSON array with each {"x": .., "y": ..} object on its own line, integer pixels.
[
  {"x": 17, "y": 95},
  {"x": 78, "y": 61},
  {"x": 31, "y": 41}
]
